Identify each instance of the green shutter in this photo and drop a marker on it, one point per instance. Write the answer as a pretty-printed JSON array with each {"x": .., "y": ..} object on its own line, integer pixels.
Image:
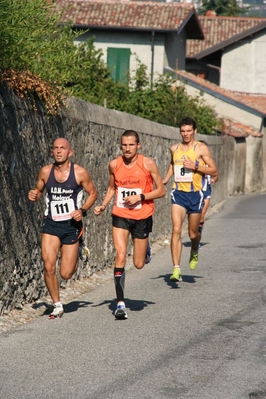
[{"x": 118, "y": 62}]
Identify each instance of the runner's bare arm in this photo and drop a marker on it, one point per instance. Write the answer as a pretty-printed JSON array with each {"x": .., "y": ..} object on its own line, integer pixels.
[
  {"x": 88, "y": 186},
  {"x": 35, "y": 194},
  {"x": 84, "y": 180},
  {"x": 159, "y": 191},
  {"x": 209, "y": 167},
  {"x": 169, "y": 172},
  {"x": 208, "y": 160},
  {"x": 110, "y": 190}
]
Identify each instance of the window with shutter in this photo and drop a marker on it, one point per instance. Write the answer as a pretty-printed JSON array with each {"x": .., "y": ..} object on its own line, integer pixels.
[{"x": 118, "y": 60}]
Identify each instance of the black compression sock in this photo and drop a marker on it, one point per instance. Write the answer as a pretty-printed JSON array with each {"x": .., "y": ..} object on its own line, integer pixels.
[
  {"x": 119, "y": 279},
  {"x": 200, "y": 227}
]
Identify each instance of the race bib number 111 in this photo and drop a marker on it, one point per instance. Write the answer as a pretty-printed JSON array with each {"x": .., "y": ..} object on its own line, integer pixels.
[{"x": 61, "y": 210}]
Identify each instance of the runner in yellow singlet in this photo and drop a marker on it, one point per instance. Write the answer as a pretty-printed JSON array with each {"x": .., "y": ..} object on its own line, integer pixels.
[{"x": 190, "y": 162}]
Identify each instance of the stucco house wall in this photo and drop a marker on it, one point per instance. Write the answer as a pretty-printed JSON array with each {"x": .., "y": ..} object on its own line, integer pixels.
[
  {"x": 243, "y": 65},
  {"x": 254, "y": 170},
  {"x": 239, "y": 165},
  {"x": 175, "y": 50},
  {"x": 140, "y": 44},
  {"x": 263, "y": 166}
]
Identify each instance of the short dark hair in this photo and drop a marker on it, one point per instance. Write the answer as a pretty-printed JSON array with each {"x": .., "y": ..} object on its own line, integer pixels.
[
  {"x": 188, "y": 121},
  {"x": 128, "y": 133}
]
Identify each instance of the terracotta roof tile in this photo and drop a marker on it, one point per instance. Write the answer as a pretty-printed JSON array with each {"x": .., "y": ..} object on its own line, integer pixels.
[
  {"x": 125, "y": 14},
  {"x": 254, "y": 101},
  {"x": 236, "y": 129},
  {"x": 218, "y": 29}
]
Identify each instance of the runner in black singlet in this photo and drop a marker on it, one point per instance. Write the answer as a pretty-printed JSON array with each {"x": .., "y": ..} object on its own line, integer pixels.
[{"x": 62, "y": 226}]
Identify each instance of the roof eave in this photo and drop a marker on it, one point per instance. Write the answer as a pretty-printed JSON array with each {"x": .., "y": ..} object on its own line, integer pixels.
[
  {"x": 193, "y": 25},
  {"x": 221, "y": 96},
  {"x": 229, "y": 42},
  {"x": 128, "y": 28}
]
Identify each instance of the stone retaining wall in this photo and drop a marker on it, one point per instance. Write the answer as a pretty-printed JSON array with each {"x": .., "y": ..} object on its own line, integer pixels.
[{"x": 26, "y": 137}]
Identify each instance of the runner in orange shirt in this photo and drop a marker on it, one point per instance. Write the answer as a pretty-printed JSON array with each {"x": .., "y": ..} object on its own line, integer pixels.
[{"x": 132, "y": 176}]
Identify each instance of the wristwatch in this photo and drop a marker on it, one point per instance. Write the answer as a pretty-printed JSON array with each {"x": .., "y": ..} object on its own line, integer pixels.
[
  {"x": 84, "y": 212},
  {"x": 142, "y": 197}
]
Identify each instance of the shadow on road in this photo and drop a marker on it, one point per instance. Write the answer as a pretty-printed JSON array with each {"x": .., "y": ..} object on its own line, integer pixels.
[
  {"x": 132, "y": 304},
  {"x": 68, "y": 308},
  {"x": 173, "y": 284},
  {"x": 75, "y": 305},
  {"x": 187, "y": 244}
]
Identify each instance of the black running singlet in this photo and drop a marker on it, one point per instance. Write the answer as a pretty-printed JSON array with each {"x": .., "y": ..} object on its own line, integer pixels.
[{"x": 62, "y": 198}]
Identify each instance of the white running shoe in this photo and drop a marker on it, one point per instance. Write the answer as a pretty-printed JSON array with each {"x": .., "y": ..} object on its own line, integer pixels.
[
  {"x": 84, "y": 252},
  {"x": 121, "y": 312},
  {"x": 57, "y": 312}
]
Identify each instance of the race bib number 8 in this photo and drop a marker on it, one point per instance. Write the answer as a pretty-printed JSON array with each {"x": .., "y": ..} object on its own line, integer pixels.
[
  {"x": 123, "y": 192},
  {"x": 61, "y": 210},
  {"x": 183, "y": 174}
]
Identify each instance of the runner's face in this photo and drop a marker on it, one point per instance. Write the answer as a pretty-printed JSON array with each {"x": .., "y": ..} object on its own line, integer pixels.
[
  {"x": 129, "y": 147},
  {"x": 61, "y": 151},
  {"x": 187, "y": 132}
]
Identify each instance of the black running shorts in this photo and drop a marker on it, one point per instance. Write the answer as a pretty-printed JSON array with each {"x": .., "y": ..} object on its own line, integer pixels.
[
  {"x": 68, "y": 231},
  {"x": 137, "y": 228}
]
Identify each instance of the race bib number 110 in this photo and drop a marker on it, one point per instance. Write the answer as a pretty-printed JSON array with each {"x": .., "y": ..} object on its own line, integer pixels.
[{"x": 123, "y": 192}]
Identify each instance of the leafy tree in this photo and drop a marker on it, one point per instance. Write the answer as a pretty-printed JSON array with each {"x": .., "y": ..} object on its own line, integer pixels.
[
  {"x": 38, "y": 57},
  {"x": 34, "y": 40},
  {"x": 35, "y": 43},
  {"x": 222, "y": 7},
  {"x": 156, "y": 104},
  {"x": 234, "y": 10}
]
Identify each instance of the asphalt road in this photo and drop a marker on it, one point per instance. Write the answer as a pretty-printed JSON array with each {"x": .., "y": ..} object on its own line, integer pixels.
[{"x": 203, "y": 338}]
